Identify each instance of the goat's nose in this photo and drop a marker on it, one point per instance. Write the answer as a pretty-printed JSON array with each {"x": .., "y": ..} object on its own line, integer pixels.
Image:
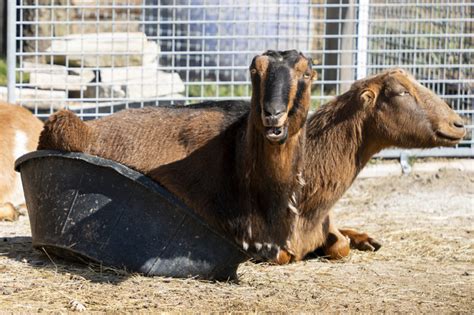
[
  {"x": 273, "y": 118},
  {"x": 458, "y": 124},
  {"x": 273, "y": 112}
]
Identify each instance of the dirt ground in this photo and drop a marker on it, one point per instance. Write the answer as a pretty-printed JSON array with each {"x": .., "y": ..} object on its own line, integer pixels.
[{"x": 426, "y": 263}]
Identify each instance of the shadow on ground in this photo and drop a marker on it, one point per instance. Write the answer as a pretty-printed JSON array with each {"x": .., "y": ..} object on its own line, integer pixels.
[{"x": 20, "y": 249}]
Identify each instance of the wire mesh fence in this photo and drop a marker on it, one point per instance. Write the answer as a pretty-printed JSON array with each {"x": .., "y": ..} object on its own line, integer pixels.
[{"x": 96, "y": 57}]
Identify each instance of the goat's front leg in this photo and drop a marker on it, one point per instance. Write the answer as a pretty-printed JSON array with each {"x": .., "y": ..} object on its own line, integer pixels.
[
  {"x": 339, "y": 241},
  {"x": 336, "y": 245},
  {"x": 361, "y": 240}
]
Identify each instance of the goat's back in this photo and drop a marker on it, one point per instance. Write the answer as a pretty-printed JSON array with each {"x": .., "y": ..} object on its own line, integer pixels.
[
  {"x": 143, "y": 138},
  {"x": 19, "y": 132}
]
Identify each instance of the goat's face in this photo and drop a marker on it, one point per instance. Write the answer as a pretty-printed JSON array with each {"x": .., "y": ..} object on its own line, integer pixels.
[
  {"x": 407, "y": 114},
  {"x": 281, "y": 92}
]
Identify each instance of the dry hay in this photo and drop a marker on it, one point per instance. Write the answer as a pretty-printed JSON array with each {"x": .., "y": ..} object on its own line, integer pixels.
[{"x": 425, "y": 264}]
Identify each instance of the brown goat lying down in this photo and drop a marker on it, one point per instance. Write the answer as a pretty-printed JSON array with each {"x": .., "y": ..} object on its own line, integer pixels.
[
  {"x": 242, "y": 178},
  {"x": 388, "y": 109},
  {"x": 19, "y": 133},
  {"x": 381, "y": 111}
]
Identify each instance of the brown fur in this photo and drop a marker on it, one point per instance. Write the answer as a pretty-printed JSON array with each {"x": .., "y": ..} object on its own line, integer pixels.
[
  {"x": 341, "y": 137},
  {"x": 236, "y": 179},
  {"x": 19, "y": 133},
  {"x": 345, "y": 133}
]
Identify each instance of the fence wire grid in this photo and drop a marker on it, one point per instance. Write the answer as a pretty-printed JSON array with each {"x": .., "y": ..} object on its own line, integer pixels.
[{"x": 96, "y": 57}]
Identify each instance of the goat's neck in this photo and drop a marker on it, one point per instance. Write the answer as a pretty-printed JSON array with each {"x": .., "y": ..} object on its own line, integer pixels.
[
  {"x": 279, "y": 163},
  {"x": 338, "y": 146}
]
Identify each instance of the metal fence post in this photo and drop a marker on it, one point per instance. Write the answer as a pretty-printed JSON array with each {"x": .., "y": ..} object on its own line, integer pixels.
[
  {"x": 362, "y": 32},
  {"x": 405, "y": 162},
  {"x": 11, "y": 49}
]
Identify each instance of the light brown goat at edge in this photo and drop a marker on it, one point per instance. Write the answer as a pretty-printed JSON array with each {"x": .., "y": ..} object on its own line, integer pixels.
[
  {"x": 19, "y": 133},
  {"x": 242, "y": 179}
]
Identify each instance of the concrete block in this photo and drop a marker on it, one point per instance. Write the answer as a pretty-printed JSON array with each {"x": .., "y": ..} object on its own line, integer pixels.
[
  {"x": 47, "y": 76},
  {"x": 137, "y": 82},
  {"x": 36, "y": 98},
  {"x": 100, "y": 90},
  {"x": 104, "y": 50},
  {"x": 77, "y": 27},
  {"x": 161, "y": 84},
  {"x": 123, "y": 75}
]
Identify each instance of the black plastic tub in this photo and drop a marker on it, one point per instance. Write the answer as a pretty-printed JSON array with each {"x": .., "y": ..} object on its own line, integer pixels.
[{"x": 86, "y": 207}]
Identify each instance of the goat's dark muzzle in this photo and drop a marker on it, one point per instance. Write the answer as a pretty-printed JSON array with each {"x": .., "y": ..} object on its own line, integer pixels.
[
  {"x": 276, "y": 127},
  {"x": 277, "y": 134}
]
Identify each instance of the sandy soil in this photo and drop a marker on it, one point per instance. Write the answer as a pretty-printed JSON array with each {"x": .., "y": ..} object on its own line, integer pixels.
[{"x": 426, "y": 263}]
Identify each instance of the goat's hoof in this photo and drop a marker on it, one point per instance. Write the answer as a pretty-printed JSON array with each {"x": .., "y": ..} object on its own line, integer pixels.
[
  {"x": 370, "y": 245},
  {"x": 361, "y": 241}
]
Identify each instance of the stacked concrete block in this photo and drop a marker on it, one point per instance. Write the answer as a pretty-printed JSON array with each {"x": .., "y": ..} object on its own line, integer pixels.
[
  {"x": 99, "y": 55},
  {"x": 103, "y": 50},
  {"x": 56, "y": 77},
  {"x": 36, "y": 98},
  {"x": 105, "y": 66},
  {"x": 81, "y": 17},
  {"x": 142, "y": 81}
]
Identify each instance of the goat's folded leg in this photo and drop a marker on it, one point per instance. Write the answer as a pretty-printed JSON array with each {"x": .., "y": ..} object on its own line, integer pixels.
[
  {"x": 339, "y": 241},
  {"x": 360, "y": 240},
  {"x": 336, "y": 245}
]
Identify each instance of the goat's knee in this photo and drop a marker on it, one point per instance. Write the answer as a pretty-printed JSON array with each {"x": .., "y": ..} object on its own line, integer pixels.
[{"x": 337, "y": 246}]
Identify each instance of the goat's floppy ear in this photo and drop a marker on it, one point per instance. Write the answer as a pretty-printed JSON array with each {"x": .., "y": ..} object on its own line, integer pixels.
[
  {"x": 367, "y": 98},
  {"x": 314, "y": 75}
]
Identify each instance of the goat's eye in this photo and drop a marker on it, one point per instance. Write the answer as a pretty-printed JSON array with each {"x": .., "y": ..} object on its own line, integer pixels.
[
  {"x": 404, "y": 93},
  {"x": 306, "y": 76},
  {"x": 253, "y": 71}
]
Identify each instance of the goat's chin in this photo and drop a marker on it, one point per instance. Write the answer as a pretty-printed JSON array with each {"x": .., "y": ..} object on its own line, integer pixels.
[
  {"x": 448, "y": 137},
  {"x": 276, "y": 135},
  {"x": 445, "y": 140},
  {"x": 427, "y": 143}
]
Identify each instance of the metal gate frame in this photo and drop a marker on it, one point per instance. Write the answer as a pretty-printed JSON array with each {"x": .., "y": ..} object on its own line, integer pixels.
[{"x": 361, "y": 52}]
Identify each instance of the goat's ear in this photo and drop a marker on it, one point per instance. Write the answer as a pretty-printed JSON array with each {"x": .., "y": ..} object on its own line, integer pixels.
[
  {"x": 314, "y": 75},
  {"x": 367, "y": 98}
]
